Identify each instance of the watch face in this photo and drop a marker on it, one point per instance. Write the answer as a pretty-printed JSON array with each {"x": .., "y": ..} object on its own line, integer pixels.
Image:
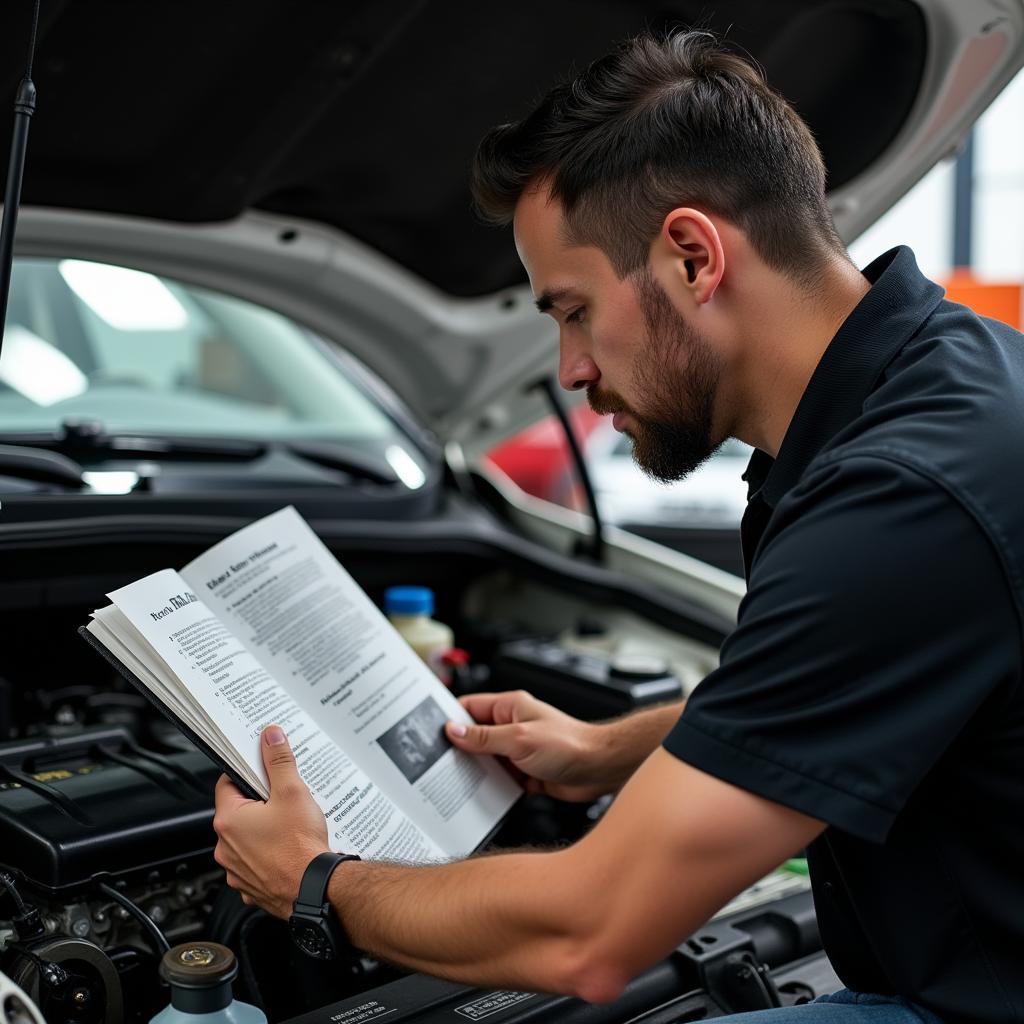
[{"x": 311, "y": 939}]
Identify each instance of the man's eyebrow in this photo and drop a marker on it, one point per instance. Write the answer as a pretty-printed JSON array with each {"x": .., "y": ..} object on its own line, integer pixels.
[{"x": 549, "y": 297}]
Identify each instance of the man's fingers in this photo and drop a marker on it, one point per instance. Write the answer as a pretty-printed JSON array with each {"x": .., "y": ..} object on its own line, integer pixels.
[
  {"x": 511, "y": 741},
  {"x": 279, "y": 761},
  {"x": 242, "y": 887},
  {"x": 497, "y": 708},
  {"x": 228, "y": 796},
  {"x": 479, "y": 705}
]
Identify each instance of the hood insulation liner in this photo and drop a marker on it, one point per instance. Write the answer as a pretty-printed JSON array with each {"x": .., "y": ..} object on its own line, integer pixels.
[{"x": 365, "y": 115}]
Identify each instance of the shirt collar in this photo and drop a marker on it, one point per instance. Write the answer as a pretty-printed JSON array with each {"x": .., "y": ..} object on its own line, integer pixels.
[{"x": 899, "y": 300}]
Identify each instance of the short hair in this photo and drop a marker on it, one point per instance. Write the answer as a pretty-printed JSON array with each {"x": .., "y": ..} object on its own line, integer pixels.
[{"x": 663, "y": 122}]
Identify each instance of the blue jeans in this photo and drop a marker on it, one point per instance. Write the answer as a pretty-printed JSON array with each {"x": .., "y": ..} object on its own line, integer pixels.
[{"x": 843, "y": 1007}]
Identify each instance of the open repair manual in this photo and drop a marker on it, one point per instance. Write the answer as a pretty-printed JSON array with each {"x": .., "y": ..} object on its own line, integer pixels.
[{"x": 267, "y": 627}]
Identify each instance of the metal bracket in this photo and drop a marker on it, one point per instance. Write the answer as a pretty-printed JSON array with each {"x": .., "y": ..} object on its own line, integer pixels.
[{"x": 728, "y": 968}]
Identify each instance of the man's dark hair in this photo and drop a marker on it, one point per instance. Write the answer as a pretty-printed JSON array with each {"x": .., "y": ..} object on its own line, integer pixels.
[{"x": 660, "y": 123}]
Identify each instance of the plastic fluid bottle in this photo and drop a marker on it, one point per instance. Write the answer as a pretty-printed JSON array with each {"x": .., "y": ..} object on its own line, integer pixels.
[
  {"x": 200, "y": 975},
  {"x": 409, "y": 609}
]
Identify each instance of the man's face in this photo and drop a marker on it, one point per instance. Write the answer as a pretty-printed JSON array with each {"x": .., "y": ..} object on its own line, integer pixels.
[
  {"x": 675, "y": 377},
  {"x": 625, "y": 342}
]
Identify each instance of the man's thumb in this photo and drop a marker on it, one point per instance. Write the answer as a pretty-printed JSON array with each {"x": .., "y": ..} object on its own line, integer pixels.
[{"x": 278, "y": 758}]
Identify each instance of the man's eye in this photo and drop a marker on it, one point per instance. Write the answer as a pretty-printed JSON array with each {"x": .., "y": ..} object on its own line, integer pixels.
[{"x": 576, "y": 316}]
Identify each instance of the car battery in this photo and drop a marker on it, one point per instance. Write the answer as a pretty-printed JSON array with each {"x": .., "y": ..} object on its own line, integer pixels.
[{"x": 586, "y": 685}]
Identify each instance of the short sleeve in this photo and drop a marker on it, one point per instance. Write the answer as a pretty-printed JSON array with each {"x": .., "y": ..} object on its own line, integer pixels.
[{"x": 877, "y": 621}]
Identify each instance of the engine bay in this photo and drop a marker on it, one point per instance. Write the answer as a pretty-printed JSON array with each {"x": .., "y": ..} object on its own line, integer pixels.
[{"x": 106, "y": 808}]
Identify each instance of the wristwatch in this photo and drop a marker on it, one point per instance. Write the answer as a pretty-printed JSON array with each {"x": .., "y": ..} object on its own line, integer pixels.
[{"x": 314, "y": 925}]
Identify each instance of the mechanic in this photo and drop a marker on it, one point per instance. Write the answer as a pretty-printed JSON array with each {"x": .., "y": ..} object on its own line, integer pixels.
[{"x": 670, "y": 211}]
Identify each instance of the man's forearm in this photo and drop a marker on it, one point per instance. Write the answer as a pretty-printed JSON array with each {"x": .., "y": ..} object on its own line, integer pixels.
[
  {"x": 514, "y": 920},
  {"x": 586, "y": 919},
  {"x": 623, "y": 744}
]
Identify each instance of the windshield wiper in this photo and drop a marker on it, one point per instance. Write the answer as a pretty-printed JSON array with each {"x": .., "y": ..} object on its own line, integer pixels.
[
  {"x": 35, "y": 464},
  {"x": 333, "y": 456},
  {"x": 86, "y": 439},
  {"x": 81, "y": 438}
]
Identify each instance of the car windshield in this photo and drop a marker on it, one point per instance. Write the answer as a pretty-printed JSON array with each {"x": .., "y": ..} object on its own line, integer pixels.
[{"x": 141, "y": 353}]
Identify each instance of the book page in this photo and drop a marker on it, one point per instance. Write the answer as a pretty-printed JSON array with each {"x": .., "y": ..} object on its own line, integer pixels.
[
  {"x": 276, "y": 586},
  {"x": 164, "y": 632}
]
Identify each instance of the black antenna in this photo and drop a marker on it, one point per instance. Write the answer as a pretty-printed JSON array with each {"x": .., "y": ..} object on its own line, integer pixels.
[{"x": 24, "y": 108}]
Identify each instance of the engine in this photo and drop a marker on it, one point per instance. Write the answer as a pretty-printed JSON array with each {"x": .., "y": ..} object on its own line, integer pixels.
[
  {"x": 105, "y": 847},
  {"x": 106, "y": 856}
]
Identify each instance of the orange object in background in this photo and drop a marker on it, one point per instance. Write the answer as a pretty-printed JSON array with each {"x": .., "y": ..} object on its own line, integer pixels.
[{"x": 1000, "y": 301}]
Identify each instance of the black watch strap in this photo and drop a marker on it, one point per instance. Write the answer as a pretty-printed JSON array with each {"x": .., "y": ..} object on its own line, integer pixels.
[{"x": 313, "y": 887}]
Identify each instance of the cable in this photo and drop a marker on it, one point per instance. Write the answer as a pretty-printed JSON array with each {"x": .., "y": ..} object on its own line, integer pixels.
[
  {"x": 52, "y": 973},
  {"x": 7, "y": 881},
  {"x": 139, "y": 914},
  {"x": 27, "y": 922}
]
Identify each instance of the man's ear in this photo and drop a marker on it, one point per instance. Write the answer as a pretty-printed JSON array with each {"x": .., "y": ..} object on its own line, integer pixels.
[{"x": 690, "y": 243}]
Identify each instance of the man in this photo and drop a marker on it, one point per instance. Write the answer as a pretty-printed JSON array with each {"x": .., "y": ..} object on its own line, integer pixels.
[{"x": 670, "y": 212}]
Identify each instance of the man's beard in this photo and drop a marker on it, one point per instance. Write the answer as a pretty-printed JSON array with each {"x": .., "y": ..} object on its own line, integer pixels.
[{"x": 674, "y": 433}]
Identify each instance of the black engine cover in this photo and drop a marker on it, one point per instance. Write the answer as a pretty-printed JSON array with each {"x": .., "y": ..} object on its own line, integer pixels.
[{"x": 96, "y": 803}]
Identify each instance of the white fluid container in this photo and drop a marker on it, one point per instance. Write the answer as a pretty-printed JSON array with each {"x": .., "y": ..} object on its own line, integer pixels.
[{"x": 409, "y": 610}]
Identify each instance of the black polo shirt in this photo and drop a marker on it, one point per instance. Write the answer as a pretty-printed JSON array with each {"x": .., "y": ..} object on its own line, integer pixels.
[{"x": 873, "y": 680}]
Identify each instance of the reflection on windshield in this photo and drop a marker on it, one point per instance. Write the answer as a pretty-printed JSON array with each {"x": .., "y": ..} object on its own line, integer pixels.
[
  {"x": 140, "y": 353},
  {"x": 37, "y": 370},
  {"x": 127, "y": 300}
]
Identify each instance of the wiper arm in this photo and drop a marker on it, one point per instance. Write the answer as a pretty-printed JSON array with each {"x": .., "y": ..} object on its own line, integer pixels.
[
  {"x": 187, "y": 447},
  {"x": 84, "y": 438},
  {"x": 39, "y": 464},
  {"x": 333, "y": 456},
  {"x": 79, "y": 438}
]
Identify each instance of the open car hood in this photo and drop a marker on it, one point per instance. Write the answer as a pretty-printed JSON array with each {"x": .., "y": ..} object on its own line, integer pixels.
[{"x": 313, "y": 156}]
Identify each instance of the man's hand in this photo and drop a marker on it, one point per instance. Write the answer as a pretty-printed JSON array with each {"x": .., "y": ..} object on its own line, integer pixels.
[
  {"x": 266, "y": 847},
  {"x": 550, "y": 748},
  {"x": 560, "y": 755}
]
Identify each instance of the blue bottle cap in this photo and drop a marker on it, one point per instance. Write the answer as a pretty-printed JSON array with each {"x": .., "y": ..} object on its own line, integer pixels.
[{"x": 409, "y": 601}]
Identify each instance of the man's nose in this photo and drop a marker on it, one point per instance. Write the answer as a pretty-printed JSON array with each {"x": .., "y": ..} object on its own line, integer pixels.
[{"x": 576, "y": 370}]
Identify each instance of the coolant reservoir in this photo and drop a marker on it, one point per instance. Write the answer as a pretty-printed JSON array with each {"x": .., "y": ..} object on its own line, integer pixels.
[
  {"x": 200, "y": 975},
  {"x": 409, "y": 609}
]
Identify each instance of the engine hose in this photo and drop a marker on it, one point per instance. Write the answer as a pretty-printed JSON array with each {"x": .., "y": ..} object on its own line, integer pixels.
[{"x": 151, "y": 927}]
